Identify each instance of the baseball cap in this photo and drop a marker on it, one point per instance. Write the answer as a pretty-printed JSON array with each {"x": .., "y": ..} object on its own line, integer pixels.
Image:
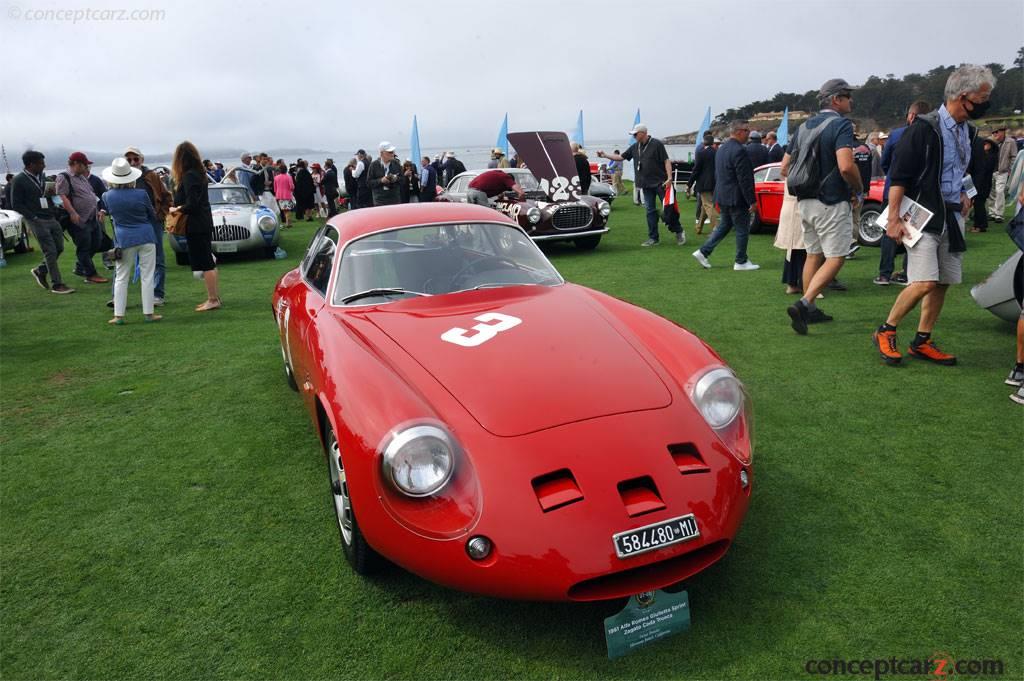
[
  {"x": 79, "y": 157},
  {"x": 755, "y": 135},
  {"x": 639, "y": 127},
  {"x": 449, "y": 154},
  {"x": 386, "y": 146},
  {"x": 133, "y": 150},
  {"x": 833, "y": 87}
]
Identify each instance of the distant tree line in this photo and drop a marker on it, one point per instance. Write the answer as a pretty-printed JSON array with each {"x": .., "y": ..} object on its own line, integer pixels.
[{"x": 885, "y": 100}]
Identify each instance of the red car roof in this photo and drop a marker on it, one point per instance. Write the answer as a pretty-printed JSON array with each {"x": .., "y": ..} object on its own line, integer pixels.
[{"x": 356, "y": 223}]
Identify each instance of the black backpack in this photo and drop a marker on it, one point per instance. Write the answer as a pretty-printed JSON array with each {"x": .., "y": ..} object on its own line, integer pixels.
[{"x": 804, "y": 179}]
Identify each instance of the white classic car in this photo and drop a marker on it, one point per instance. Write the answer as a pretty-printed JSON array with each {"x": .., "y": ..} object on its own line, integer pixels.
[
  {"x": 13, "y": 232},
  {"x": 240, "y": 223}
]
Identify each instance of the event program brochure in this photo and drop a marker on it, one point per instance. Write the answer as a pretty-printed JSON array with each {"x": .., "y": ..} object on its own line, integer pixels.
[{"x": 914, "y": 216}]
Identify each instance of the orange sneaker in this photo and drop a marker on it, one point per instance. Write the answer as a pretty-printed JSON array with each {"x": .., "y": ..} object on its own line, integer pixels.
[
  {"x": 885, "y": 343},
  {"x": 929, "y": 351}
]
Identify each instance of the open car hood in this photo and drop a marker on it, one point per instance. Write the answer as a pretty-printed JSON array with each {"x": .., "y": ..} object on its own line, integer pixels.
[
  {"x": 549, "y": 158},
  {"x": 564, "y": 361}
]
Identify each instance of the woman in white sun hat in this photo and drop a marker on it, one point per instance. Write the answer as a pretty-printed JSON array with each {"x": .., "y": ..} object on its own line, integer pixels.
[{"x": 133, "y": 216}]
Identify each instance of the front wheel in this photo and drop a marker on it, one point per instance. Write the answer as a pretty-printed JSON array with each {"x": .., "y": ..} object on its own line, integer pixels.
[
  {"x": 587, "y": 243},
  {"x": 869, "y": 233},
  {"x": 363, "y": 559},
  {"x": 755, "y": 223},
  {"x": 22, "y": 246}
]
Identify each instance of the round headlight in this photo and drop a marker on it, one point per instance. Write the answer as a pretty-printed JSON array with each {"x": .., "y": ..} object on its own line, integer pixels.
[
  {"x": 419, "y": 461},
  {"x": 267, "y": 223},
  {"x": 533, "y": 215},
  {"x": 604, "y": 208},
  {"x": 719, "y": 397}
]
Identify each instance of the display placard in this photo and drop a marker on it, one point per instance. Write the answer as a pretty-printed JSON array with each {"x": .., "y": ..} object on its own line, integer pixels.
[{"x": 649, "y": 616}]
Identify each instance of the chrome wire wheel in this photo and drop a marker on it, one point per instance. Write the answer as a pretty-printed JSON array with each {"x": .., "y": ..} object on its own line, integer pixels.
[{"x": 339, "y": 491}]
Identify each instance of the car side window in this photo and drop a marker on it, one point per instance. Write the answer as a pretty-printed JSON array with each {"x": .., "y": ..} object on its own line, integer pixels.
[
  {"x": 318, "y": 270},
  {"x": 774, "y": 174},
  {"x": 760, "y": 175}
]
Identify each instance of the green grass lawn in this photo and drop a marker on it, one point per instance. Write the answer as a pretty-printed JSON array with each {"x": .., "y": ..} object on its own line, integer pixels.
[{"x": 164, "y": 509}]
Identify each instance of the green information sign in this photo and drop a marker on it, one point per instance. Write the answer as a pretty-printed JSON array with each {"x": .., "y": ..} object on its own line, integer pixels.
[{"x": 649, "y": 616}]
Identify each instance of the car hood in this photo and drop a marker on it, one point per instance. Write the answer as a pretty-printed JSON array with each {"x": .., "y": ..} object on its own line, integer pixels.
[{"x": 565, "y": 361}]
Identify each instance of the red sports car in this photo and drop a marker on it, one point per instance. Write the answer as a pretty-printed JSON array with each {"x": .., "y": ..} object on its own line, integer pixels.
[
  {"x": 494, "y": 429},
  {"x": 770, "y": 191}
]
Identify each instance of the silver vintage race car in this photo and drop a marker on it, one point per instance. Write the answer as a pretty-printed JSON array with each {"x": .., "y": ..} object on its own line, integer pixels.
[
  {"x": 240, "y": 224},
  {"x": 13, "y": 232}
]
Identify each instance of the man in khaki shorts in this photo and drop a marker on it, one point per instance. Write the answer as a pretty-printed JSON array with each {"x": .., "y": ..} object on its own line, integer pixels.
[
  {"x": 934, "y": 155},
  {"x": 827, "y": 216}
]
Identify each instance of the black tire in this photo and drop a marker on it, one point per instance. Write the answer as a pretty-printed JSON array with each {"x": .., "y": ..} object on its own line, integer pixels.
[
  {"x": 268, "y": 252},
  {"x": 587, "y": 243},
  {"x": 755, "y": 223},
  {"x": 363, "y": 559},
  {"x": 289, "y": 375},
  {"x": 181, "y": 258},
  {"x": 22, "y": 245},
  {"x": 868, "y": 233}
]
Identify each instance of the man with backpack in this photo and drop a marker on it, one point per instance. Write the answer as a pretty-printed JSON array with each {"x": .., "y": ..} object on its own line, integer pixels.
[
  {"x": 820, "y": 172},
  {"x": 931, "y": 167},
  {"x": 81, "y": 206}
]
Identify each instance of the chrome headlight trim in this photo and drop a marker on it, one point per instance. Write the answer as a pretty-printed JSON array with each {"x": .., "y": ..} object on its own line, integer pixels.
[{"x": 401, "y": 473}]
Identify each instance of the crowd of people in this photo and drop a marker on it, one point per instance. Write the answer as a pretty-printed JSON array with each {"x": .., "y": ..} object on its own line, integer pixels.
[
  {"x": 141, "y": 207},
  {"x": 938, "y": 159}
]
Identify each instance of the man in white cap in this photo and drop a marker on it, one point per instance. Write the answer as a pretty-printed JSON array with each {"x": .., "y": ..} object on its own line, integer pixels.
[
  {"x": 452, "y": 167},
  {"x": 383, "y": 177},
  {"x": 161, "y": 200},
  {"x": 652, "y": 172}
]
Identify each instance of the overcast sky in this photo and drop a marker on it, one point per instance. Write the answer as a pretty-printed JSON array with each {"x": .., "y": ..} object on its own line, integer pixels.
[{"x": 336, "y": 76}]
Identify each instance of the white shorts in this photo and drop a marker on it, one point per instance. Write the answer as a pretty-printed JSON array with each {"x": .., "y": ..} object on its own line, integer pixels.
[
  {"x": 930, "y": 260},
  {"x": 827, "y": 229}
]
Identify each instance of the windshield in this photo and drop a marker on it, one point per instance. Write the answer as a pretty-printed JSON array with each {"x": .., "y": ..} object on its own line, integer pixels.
[
  {"x": 527, "y": 181},
  {"x": 229, "y": 195},
  {"x": 439, "y": 259}
]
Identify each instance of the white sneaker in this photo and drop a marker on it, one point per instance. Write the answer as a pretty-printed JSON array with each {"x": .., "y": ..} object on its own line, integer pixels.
[
  {"x": 701, "y": 259},
  {"x": 158, "y": 302},
  {"x": 745, "y": 266}
]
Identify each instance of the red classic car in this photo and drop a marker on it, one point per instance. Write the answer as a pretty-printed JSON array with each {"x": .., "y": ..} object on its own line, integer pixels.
[
  {"x": 612, "y": 458},
  {"x": 769, "y": 189}
]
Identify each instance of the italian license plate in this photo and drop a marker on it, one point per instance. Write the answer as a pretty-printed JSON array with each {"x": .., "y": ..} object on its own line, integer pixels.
[
  {"x": 227, "y": 248},
  {"x": 651, "y": 537}
]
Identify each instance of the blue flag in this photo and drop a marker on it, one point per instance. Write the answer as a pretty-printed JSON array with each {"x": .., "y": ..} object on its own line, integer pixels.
[
  {"x": 704, "y": 127},
  {"x": 577, "y": 134},
  {"x": 783, "y": 131},
  {"x": 636, "y": 122},
  {"x": 502, "y": 142},
  {"x": 414, "y": 143}
]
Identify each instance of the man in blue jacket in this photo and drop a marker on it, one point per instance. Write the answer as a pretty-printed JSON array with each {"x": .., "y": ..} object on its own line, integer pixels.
[
  {"x": 734, "y": 194},
  {"x": 887, "y": 259}
]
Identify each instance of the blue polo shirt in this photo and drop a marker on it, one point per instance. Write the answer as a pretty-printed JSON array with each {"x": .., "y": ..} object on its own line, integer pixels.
[
  {"x": 839, "y": 135},
  {"x": 956, "y": 154}
]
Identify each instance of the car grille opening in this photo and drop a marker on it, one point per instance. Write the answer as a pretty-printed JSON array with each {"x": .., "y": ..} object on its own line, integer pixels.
[
  {"x": 648, "y": 577},
  {"x": 557, "y": 489},
  {"x": 640, "y": 496},
  {"x": 687, "y": 459},
  {"x": 572, "y": 217},
  {"x": 225, "y": 232}
]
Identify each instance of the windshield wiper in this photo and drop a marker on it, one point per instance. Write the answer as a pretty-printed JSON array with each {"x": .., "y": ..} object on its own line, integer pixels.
[{"x": 380, "y": 292}]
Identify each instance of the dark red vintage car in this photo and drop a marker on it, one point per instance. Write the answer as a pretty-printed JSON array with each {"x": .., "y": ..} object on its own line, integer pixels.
[
  {"x": 553, "y": 208},
  {"x": 494, "y": 429},
  {"x": 770, "y": 191}
]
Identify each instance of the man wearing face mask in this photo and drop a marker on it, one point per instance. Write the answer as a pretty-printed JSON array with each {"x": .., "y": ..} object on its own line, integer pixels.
[{"x": 931, "y": 162}]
